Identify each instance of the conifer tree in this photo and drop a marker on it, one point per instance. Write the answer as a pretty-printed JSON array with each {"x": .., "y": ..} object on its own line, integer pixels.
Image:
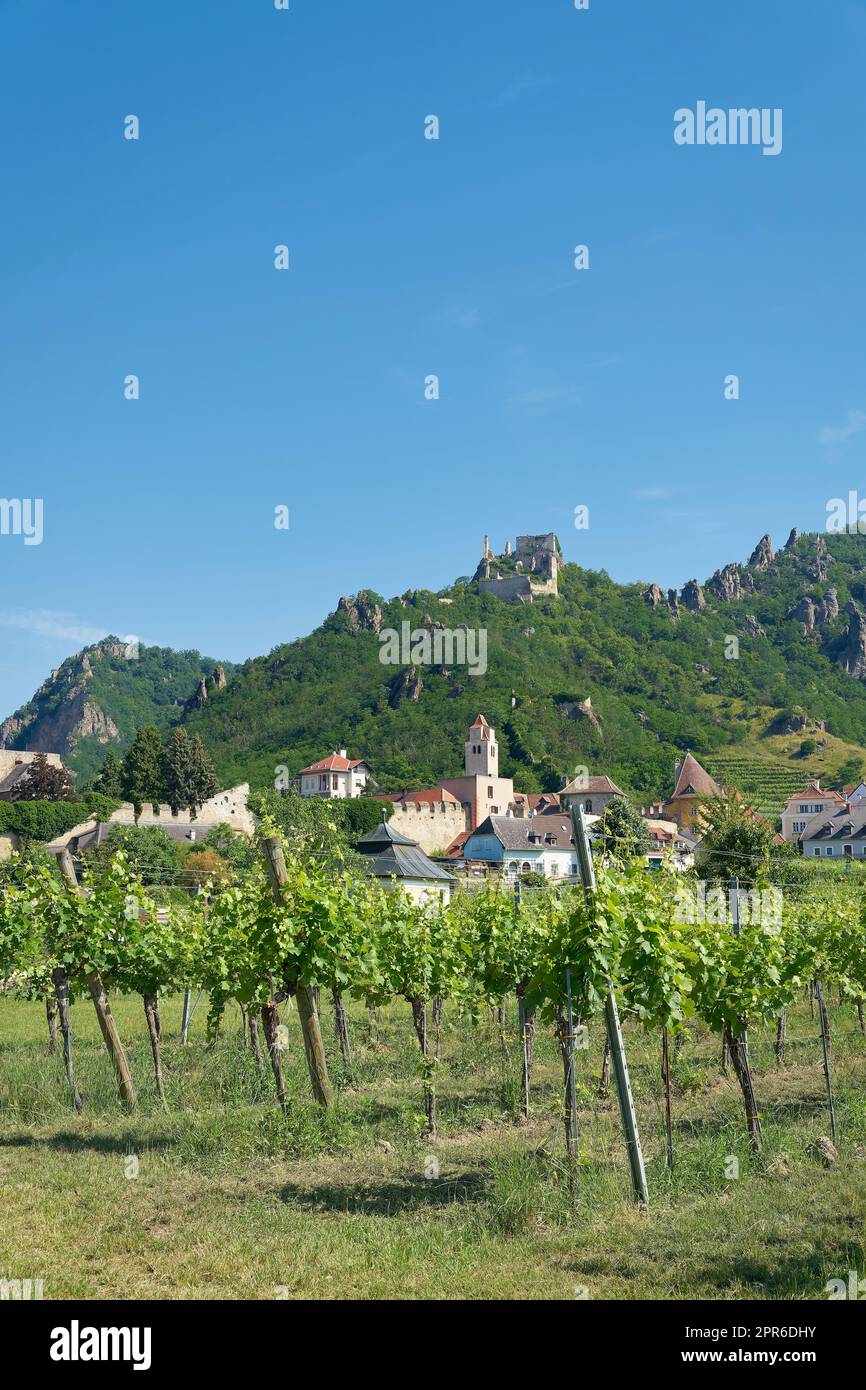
[
  {"x": 143, "y": 772},
  {"x": 110, "y": 779}
]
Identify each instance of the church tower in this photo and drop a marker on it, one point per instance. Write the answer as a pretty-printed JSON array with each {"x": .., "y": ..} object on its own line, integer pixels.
[{"x": 481, "y": 751}]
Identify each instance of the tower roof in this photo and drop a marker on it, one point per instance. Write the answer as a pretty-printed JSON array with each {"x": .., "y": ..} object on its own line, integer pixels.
[
  {"x": 481, "y": 723},
  {"x": 375, "y": 841},
  {"x": 693, "y": 780}
]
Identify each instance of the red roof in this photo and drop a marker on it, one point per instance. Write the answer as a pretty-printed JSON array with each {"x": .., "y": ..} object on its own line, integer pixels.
[
  {"x": 481, "y": 723},
  {"x": 455, "y": 849},
  {"x": 335, "y": 763},
  {"x": 816, "y": 794},
  {"x": 691, "y": 774}
]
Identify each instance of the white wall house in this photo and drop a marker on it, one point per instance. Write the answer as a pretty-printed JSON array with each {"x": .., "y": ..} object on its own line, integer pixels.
[
  {"x": 799, "y": 810},
  {"x": 517, "y": 845},
  {"x": 839, "y": 834},
  {"x": 336, "y": 777}
]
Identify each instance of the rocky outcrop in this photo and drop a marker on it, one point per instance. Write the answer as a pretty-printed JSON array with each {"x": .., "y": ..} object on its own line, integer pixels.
[
  {"x": 406, "y": 685},
  {"x": 65, "y": 711},
  {"x": 725, "y": 584},
  {"x": 753, "y": 627},
  {"x": 818, "y": 570},
  {"x": 199, "y": 696},
  {"x": 828, "y": 611},
  {"x": 762, "y": 556},
  {"x": 797, "y": 723},
  {"x": 74, "y": 717},
  {"x": 693, "y": 597},
  {"x": 814, "y": 613},
  {"x": 792, "y": 539},
  {"x": 581, "y": 709},
  {"x": 854, "y": 652},
  {"x": 217, "y": 678},
  {"x": 363, "y": 615},
  {"x": 674, "y": 602},
  {"x": 653, "y": 596}
]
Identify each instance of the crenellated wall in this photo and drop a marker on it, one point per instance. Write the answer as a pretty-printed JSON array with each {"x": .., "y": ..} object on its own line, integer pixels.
[{"x": 433, "y": 824}]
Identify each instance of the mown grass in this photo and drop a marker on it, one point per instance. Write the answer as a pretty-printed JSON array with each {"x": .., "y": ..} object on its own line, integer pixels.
[{"x": 222, "y": 1196}]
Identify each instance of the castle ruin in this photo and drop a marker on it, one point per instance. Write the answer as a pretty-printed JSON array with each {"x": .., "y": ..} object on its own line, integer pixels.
[{"x": 528, "y": 572}]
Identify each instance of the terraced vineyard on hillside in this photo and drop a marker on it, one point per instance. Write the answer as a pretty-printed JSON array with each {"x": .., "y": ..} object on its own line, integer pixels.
[{"x": 765, "y": 785}]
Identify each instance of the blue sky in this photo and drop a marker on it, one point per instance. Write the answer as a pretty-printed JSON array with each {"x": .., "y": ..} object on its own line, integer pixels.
[{"x": 411, "y": 257}]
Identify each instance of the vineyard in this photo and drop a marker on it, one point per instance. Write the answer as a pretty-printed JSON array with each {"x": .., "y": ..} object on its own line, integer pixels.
[
  {"x": 765, "y": 785},
  {"x": 526, "y": 1067}
]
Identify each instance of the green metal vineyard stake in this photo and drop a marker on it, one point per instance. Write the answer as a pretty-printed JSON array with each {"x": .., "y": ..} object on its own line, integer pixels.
[{"x": 614, "y": 1031}]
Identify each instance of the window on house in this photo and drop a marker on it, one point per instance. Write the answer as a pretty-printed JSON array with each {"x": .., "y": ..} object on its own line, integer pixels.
[
  {"x": 489, "y": 791},
  {"x": 526, "y": 866},
  {"x": 848, "y": 851},
  {"x": 817, "y": 849},
  {"x": 588, "y": 807}
]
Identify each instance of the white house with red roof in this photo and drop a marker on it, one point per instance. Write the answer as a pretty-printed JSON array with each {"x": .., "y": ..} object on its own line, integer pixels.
[
  {"x": 799, "y": 810},
  {"x": 336, "y": 777}
]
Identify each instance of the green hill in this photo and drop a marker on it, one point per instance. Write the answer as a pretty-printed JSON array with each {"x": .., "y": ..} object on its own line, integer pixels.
[
  {"x": 762, "y": 712},
  {"x": 659, "y": 681},
  {"x": 97, "y": 699}
]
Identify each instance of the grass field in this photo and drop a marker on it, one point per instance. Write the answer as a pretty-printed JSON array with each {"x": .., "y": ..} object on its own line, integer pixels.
[{"x": 234, "y": 1200}]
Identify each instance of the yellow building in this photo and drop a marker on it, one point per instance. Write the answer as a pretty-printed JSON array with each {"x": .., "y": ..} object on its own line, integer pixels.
[{"x": 692, "y": 785}]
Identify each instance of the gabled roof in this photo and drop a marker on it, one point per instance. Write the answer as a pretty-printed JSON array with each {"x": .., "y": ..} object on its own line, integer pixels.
[
  {"x": 18, "y": 774},
  {"x": 816, "y": 794},
  {"x": 693, "y": 780},
  {"x": 513, "y": 832},
  {"x": 481, "y": 723},
  {"x": 335, "y": 763},
  {"x": 546, "y": 803},
  {"x": 844, "y": 823},
  {"x": 578, "y": 785}
]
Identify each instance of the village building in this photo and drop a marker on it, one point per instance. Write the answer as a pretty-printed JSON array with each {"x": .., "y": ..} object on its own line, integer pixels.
[
  {"x": 399, "y": 863},
  {"x": 692, "y": 786},
  {"x": 15, "y": 768},
  {"x": 669, "y": 844},
  {"x": 480, "y": 791},
  {"x": 515, "y": 845},
  {"x": 836, "y": 832},
  {"x": 534, "y": 803},
  {"x": 336, "y": 777},
  {"x": 799, "y": 810},
  {"x": 594, "y": 794},
  {"x": 432, "y": 817}
]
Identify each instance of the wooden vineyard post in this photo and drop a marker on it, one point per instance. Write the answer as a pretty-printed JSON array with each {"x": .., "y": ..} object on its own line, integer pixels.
[
  {"x": 312, "y": 1033},
  {"x": 825, "y": 1048},
  {"x": 107, "y": 1025},
  {"x": 614, "y": 1031},
  {"x": 60, "y": 980}
]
